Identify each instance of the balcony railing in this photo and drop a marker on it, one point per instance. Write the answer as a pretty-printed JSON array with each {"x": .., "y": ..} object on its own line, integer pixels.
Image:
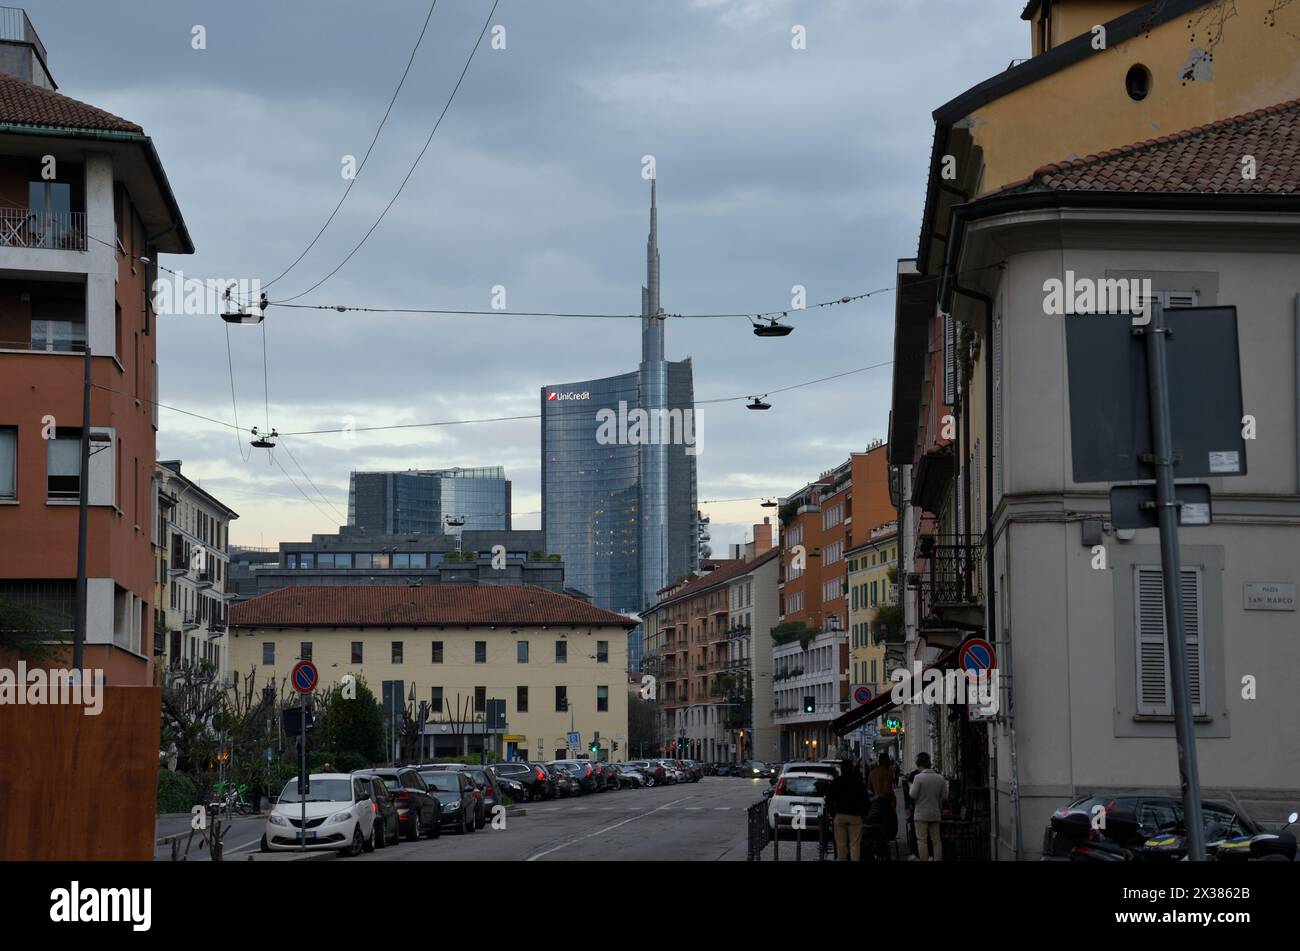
[
  {"x": 738, "y": 632},
  {"x": 952, "y": 576},
  {"x": 59, "y": 231}
]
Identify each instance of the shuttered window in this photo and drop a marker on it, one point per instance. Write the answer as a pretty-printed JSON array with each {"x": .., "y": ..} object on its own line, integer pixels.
[
  {"x": 1154, "y": 688},
  {"x": 949, "y": 367},
  {"x": 995, "y": 485}
]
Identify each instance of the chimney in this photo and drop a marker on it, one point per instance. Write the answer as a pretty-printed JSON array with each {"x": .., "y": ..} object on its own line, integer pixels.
[
  {"x": 22, "y": 54},
  {"x": 763, "y": 536}
]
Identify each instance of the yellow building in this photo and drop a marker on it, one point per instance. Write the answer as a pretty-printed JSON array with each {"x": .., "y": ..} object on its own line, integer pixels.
[
  {"x": 870, "y": 566},
  {"x": 558, "y": 664}
]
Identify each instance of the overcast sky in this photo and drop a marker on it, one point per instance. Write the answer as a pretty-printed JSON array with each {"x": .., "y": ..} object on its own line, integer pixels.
[{"x": 775, "y": 167}]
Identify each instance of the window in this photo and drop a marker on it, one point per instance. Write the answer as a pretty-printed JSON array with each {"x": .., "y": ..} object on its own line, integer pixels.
[
  {"x": 304, "y": 650},
  {"x": 64, "y": 464},
  {"x": 602, "y": 699},
  {"x": 356, "y": 652},
  {"x": 342, "y": 560},
  {"x": 325, "y": 560},
  {"x": 480, "y": 699},
  {"x": 949, "y": 364},
  {"x": 397, "y": 652},
  {"x": 401, "y": 560},
  {"x": 379, "y": 560},
  {"x": 480, "y": 652},
  {"x": 437, "y": 652},
  {"x": 1155, "y": 692},
  {"x": 561, "y": 652},
  {"x": 58, "y": 323},
  {"x": 435, "y": 699},
  {"x": 602, "y": 652},
  {"x": 268, "y": 653},
  {"x": 521, "y": 699},
  {"x": 561, "y": 699},
  {"x": 8, "y": 462},
  {"x": 307, "y": 559},
  {"x": 521, "y": 651}
]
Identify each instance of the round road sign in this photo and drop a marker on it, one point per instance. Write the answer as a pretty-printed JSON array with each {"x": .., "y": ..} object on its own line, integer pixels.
[
  {"x": 977, "y": 656},
  {"x": 304, "y": 676},
  {"x": 862, "y": 695}
]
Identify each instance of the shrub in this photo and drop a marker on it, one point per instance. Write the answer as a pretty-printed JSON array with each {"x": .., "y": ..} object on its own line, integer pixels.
[{"x": 176, "y": 792}]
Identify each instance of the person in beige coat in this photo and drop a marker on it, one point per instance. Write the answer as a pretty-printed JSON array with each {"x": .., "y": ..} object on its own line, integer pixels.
[{"x": 928, "y": 791}]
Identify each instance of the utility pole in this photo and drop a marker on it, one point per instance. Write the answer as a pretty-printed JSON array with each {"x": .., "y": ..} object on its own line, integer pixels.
[
  {"x": 1162, "y": 461},
  {"x": 83, "y": 508}
]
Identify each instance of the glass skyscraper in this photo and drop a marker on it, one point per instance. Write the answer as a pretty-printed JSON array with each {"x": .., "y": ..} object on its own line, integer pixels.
[
  {"x": 621, "y": 512},
  {"x": 430, "y": 500}
]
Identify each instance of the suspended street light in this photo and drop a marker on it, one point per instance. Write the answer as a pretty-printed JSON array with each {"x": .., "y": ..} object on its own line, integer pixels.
[
  {"x": 771, "y": 328},
  {"x": 757, "y": 403},
  {"x": 263, "y": 440}
]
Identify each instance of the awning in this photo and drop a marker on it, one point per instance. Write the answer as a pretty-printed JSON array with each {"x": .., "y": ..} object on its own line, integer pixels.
[{"x": 848, "y": 722}]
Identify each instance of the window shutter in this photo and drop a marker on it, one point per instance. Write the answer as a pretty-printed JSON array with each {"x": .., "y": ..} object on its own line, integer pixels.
[
  {"x": 949, "y": 368},
  {"x": 1155, "y": 691},
  {"x": 1179, "y": 298}
]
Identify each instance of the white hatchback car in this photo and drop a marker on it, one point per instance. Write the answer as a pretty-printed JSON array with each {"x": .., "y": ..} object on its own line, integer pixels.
[
  {"x": 798, "y": 794},
  {"x": 340, "y": 816}
]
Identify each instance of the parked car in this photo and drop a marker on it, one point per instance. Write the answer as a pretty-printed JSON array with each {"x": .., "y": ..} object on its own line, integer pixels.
[
  {"x": 486, "y": 779},
  {"x": 418, "y": 810},
  {"x": 340, "y": 816},
  {"x": 386, "y": 830},
  {"x": 512, "y": 790},
  {"x": 457, "y": 795},
  {"x": 630, "y": 776},
  {"x": 655, "y": 774},
  {"x": 798, "y": 789},
  {"x": 566, "y": 780},
  {"x": 1154, "y": 814},
  {"x": 582, "y": 769},
  {"x": 829, "y": 770},
  {"x": 531, "y": 776},
  {"x": 671, "y": 773},
  {"x": 480, "y": 787},
  {"x": 694, "y": 773}
]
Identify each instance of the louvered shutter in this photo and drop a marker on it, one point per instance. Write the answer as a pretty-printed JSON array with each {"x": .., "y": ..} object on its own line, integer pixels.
[
  {"x": 949, "y": 368},
  {"x": 1180, "y": 299},
  {"x": 1154, "y": 688}
]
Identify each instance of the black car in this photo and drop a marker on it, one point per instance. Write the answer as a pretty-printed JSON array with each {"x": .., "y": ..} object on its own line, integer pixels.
[
  {"x": 458, "y": 796},
  {"x": 386, "y": 829},
  {"x": 1153, "y": 815},
  {"x": 485, "y": 777},
  {"x": 481, "y": 809},
  {"x": 532, "y": 776},
  {"x": 418, "y": 810}
]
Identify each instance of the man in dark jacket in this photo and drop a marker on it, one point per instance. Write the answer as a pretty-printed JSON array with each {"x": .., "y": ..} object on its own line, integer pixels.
[{"x": 847, "y": 802}]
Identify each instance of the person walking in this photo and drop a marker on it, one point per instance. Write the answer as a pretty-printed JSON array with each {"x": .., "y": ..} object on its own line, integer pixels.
[
  {"x": 881, "y": 778},
  {"x": 928, "y": 791},
  {"x": 847, "y": 802},
  {"x": 880, "y": 782}
]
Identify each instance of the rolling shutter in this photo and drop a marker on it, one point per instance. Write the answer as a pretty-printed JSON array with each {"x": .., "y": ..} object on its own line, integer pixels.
[{"x": 1154, "y": 688}]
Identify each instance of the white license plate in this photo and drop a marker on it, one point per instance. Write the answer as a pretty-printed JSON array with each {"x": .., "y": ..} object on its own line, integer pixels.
[
  {"x": 812, "y": 809},
  {"x": 307, "y": 835}
]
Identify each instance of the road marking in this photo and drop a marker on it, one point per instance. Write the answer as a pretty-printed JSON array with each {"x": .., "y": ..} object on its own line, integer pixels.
[
  {"x": 562, "y": 845},
  {"x": 694, "y": 808},
  {"x": 721, "y": 808}
]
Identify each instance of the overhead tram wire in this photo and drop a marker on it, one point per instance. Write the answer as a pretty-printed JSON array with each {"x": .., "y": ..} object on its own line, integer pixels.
[
  {"x": 414, "y": 165},
  {"x": 324, "y": 499},
  {"x": 230, "y": 365},
  {"x": 324, "y": 513},
  {"x": 365, "y": 158}
]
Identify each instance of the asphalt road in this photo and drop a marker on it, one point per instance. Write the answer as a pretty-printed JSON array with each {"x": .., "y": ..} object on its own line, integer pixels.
[{"x": 702, "y": 821}]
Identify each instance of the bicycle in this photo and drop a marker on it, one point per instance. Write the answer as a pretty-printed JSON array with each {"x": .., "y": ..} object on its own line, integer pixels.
[{"x": 231, "y": 798}]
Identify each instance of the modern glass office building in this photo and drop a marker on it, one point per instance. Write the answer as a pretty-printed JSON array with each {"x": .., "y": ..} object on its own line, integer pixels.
[
  {"x": 430, "y": 500},
  {"x": 621, "y": 512}
]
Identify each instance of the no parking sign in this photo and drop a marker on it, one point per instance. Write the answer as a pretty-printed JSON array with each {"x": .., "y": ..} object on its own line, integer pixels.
[{"x": 977, "y": 657}]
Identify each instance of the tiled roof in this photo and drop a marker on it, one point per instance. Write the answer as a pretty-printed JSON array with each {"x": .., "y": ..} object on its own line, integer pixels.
[
  {"x": 383, "y": 605},
  {"x": 728, "y": 569},
  {"x": 22, "y": 103},
  {"x": 1204, "y": 160}
]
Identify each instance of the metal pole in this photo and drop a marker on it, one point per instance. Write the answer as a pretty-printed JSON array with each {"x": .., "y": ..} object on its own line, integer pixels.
[
  {"x": 302, "y": 775},
  {"x": 1167, "y": 512},
  {"x": 83, "y": 509}
]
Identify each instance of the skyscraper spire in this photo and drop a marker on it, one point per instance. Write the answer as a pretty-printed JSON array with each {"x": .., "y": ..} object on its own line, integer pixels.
[{"x": 652, "y": 325}]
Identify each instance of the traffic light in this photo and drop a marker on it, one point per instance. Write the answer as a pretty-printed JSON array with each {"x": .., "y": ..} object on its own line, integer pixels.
[
  {"x": 809, "y": 704},
  {"x": 614, "y": 747},
  {"x": 595, "y": 747}
]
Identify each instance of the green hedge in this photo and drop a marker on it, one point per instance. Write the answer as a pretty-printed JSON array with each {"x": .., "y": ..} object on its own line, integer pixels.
[{"x": 176, "y": 792}]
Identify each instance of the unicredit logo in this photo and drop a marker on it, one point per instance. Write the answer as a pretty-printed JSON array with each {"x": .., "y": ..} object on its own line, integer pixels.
[{"x": 557, "y": 396}]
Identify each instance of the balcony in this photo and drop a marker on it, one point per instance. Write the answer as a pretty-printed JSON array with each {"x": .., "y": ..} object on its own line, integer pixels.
[
  {"x": 948, "y": 588},
  {"x": 738, "y": 631},
  {"x": 57, "y": 231}
]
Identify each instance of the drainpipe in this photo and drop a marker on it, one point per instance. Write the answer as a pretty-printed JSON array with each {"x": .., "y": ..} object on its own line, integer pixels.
[{"x": 990, "y": 596}]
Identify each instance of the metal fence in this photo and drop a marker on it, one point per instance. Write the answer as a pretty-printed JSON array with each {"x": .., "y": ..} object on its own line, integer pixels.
[{"x": 760, "y": 833}]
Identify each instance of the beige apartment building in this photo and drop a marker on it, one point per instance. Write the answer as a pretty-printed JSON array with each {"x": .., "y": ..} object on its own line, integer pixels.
[{"x": 550, "y": 663}]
